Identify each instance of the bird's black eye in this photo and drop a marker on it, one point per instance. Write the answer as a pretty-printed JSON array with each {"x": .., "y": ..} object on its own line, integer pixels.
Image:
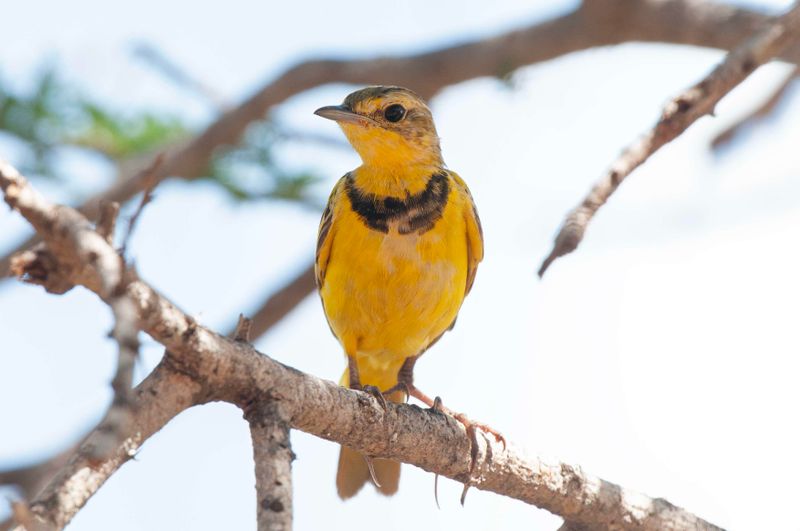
[{"x": 394, "y": 113}]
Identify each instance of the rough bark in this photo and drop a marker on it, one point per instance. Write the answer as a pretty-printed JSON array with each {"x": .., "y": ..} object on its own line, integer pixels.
[{"x": 272, "y": 453}]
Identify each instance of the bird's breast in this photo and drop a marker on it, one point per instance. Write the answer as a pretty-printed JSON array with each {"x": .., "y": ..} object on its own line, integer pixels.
[{"x": 391, "y": 290}]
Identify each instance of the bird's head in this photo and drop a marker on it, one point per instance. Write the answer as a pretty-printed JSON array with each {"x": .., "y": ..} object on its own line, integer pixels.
[{"x": 387, "y": 126}]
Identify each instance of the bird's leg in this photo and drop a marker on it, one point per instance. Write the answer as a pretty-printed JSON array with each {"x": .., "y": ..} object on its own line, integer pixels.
[
  {"x": 355, "y": 384},
  {"x": 352, "y": 369},
  {"x": 405, "y": 382},
  {"x": 405, "y": 378}
]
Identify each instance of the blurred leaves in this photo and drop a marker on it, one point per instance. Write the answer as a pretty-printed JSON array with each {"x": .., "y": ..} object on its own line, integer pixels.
[
  {"x": 52, "y": 115},
  {"x": 251, "y": 171},
  {"x": 121, "y": 137},
  {"x": 35, "y": 119}
]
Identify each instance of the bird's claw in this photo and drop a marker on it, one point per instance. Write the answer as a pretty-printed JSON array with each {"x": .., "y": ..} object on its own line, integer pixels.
[
  {"x": 437, "y": 405},
  {"x": 376, "y": 393}
]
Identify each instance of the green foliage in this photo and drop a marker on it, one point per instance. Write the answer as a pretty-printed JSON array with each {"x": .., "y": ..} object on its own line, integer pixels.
[
  {"x": 35, "y": 119},
  {"x": 53, "y": 115},
  {"x": 120, "y": 137},
  {"x": 251, "y": 171}
]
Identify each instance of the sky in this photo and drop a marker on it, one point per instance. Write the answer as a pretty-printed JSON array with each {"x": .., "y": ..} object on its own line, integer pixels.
[{"x": 661, "y": 356}]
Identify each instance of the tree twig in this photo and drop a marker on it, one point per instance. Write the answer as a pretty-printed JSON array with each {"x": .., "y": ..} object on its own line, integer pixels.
[
  {"x": 150, "y": 182},
  {"x": 677, "y": 116},
  {"x": 209, "y": 366},
  {"x": 759, "y": 113},
  {"x": 107, "y": 222},
  {"x": 116, "y": 423},
  {"x": 242, "y": 331}
]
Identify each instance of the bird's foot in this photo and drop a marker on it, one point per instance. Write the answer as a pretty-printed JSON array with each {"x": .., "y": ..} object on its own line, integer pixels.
[
  {"x": 402, "y": 386},
  {"x": 470, "y": 425},
  {"x": 373, "y": 391},
  {"x": 376, "y": 393}
]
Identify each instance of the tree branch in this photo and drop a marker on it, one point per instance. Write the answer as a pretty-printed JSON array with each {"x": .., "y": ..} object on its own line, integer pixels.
[
  {"x": 32, "y": 478},
  {"x": 115, "y": 425},
  {"x": 203, "y": 366},
  {"x": 759, "y": 113},
  {"x": 273, "y": 458},
  {"x": 272, "y": 453},
  {"x": 158, "y": 60},
  {"x": 677, "y": 116},
  {"x": 595, "y": 23},
  {"x": 159, "y": 398}
]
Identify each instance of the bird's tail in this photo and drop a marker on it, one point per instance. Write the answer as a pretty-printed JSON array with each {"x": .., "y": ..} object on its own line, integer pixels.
[{"x": 353, "y": 470}]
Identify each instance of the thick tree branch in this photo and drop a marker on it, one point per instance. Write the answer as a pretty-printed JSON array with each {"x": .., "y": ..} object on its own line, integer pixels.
[
  {"x": 272, "y": 453},
  {"x": 595, "y": 23},
  {"x": 208, "y": 366},
  {"x": 273, "y": 458},
  {"x": 677, "y": 116}
]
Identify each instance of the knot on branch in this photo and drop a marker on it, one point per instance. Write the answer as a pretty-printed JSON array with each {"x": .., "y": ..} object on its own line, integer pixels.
[{"x": 39, "y": 266}]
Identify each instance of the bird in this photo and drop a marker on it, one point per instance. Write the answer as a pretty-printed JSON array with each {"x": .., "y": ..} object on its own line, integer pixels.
[{"x": 398, "y": 248}]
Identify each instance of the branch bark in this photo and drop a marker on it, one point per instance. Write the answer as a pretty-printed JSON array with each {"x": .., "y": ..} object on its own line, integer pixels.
[
  {"x": 595, "y": 23},
  {"x": 201, "y": 365},
  {"x": 677, "y": 116},
  {"x": 759, "y": 113},
  {"x": 273, "y": 456},
  {"x": 31, "y": 479},
  {"x": 159, "y": 398}
]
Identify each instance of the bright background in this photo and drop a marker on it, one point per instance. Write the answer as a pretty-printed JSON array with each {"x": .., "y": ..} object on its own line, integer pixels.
[{"x": 663, "y": 355}]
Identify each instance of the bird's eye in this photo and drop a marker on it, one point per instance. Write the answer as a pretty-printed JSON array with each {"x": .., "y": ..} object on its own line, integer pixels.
[{"x": 394, "y": 113}]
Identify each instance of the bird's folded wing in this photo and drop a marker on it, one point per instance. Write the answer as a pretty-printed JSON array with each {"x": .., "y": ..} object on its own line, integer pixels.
[
  {"x": 474, "y": 230},
  {"x": 325, "y": 234}
]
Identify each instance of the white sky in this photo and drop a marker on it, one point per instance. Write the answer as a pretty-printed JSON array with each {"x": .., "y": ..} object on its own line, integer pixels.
[{"x": 662, "y": 355}]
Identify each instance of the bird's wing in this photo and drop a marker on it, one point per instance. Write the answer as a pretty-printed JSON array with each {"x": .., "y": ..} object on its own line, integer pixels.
[
  {"x": 325, "y": 234},
  {"x": 474, "y": 231}
]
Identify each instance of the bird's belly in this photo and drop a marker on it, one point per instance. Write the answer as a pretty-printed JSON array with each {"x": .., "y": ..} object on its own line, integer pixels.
[{"x": 387, "y": 296}]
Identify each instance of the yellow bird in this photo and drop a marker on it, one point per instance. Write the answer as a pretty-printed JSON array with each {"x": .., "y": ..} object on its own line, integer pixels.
[{"x": 398, "y": 248}]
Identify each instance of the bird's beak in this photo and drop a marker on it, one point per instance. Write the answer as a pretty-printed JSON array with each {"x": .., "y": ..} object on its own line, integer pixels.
[{"x": 342, "y": 113}]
